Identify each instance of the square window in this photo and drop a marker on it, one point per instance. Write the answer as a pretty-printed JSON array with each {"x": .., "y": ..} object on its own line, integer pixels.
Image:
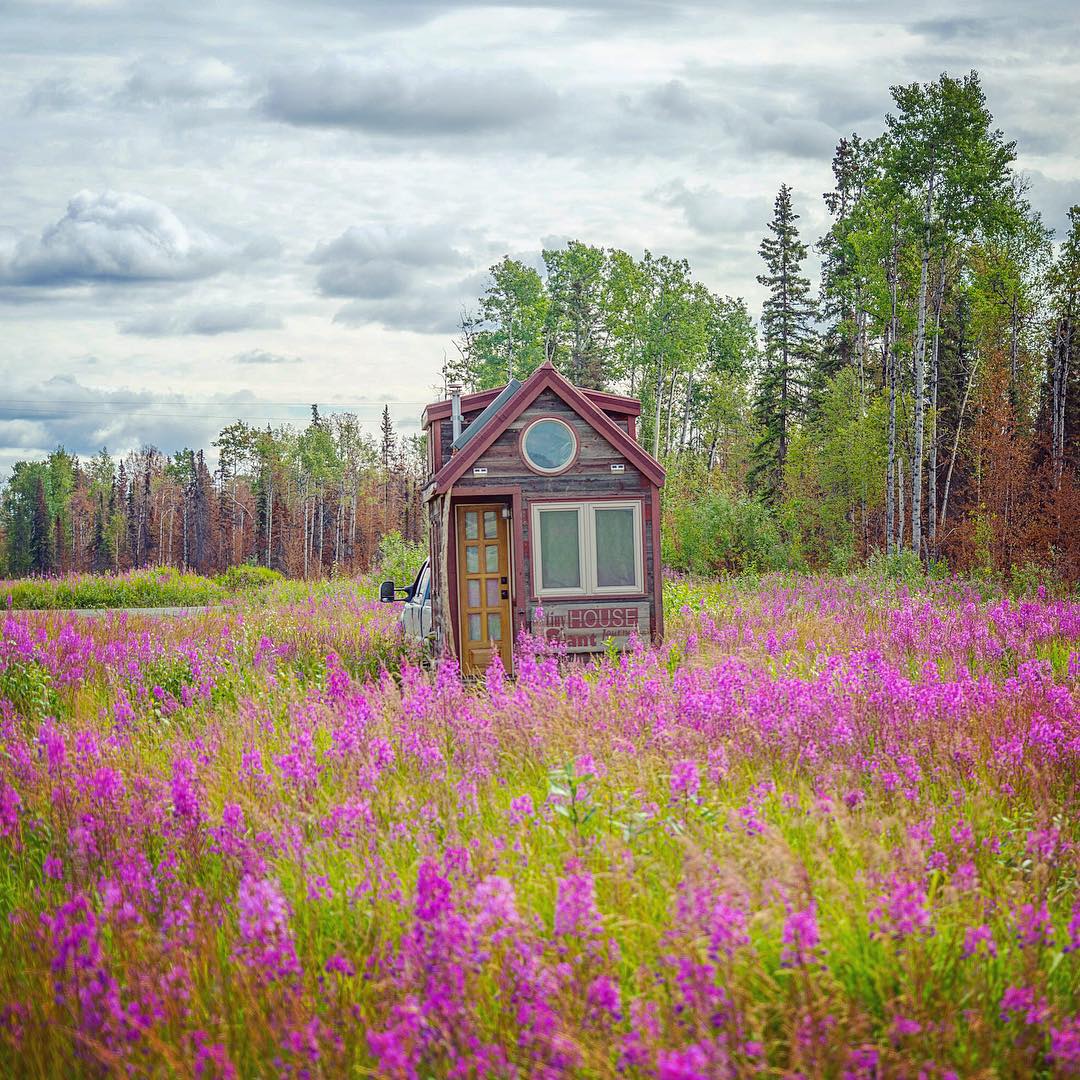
[
  {"x": 616, "y": 550},
  {"x": 560, "y": 549},
  {"x": 588, "y": 548}
]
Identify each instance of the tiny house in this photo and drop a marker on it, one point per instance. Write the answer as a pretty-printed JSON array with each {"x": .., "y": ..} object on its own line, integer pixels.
[{"x": 544, "y": 515}]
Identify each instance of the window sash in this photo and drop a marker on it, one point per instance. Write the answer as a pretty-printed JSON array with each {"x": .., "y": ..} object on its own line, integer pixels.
[{"x": 587, "y": 536}]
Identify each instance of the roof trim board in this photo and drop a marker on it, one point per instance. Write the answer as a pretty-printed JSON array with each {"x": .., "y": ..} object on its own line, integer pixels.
[
  {"x": 613, "y": 403},
  {"x": 543, "y": 378}
]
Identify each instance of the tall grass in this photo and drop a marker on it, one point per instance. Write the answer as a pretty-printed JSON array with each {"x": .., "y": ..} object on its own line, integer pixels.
[
  {"x": 829, "y": 828},
  {"x": 162, "y": 587}
]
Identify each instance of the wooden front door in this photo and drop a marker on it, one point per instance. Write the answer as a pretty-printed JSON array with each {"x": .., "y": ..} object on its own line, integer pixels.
[{"x": 483, "y": 544}]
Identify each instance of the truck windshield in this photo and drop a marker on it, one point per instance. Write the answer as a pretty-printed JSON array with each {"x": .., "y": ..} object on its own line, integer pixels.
[{"x": 420, "y": 585}]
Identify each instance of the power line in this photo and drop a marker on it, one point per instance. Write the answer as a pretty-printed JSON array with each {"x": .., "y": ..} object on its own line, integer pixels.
[{"x": 189, "y": 401}]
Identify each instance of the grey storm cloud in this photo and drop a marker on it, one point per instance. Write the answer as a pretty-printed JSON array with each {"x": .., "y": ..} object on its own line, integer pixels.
[
  {"x": 113, "y": 236},
  {"x": 379, "y": 100},
  {"x": 757, "y": 110},
  {"x": 261, "y": 356},
  {"x": 399, "y": 278},
  {"x": 208, "y": 321},
  {"x": 155, "y": 81},
  {"x": 83, "y": 419},
  {"x": 52, "y": 95},
  {"x": 378, "y": 263},
  {"x": 709, "y": 212},
  {"x": 428, "y": 307}
]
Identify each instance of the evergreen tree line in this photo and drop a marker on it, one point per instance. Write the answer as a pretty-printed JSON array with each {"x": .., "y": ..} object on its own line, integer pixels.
[
  {"x": 306, "y": 502},
  {"x": 924, "y": 398}
]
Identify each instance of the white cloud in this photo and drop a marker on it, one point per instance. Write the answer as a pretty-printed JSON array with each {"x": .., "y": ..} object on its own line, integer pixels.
[{"x": 113, "y": 236}]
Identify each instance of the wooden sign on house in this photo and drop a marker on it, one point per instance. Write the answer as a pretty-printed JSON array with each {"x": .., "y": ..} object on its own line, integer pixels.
[{"x": 544, "y": 516}]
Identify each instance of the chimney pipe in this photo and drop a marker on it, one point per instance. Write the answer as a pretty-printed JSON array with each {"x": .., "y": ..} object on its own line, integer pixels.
[{"x": 455, "y": 410}]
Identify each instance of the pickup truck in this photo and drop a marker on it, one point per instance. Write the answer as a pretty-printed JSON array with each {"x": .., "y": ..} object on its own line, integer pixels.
[{"x": 416, "y": 612}]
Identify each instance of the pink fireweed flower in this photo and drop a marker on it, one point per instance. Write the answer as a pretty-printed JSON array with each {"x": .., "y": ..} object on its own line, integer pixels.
[
  {"x": 692, "y": 1063},
  {"x": 212, "y": 1060},
  {"x": 903, "y": 1026},
  {"x": 585, "y": 765},
  {"x": 497, "y": 914},
  {"x": 576, "y": 914},
  {"x": 801, "y": 938},
  {"x": 602, "y": 999},
  {"x": 965, "y": 878},
  {"x": 266, "y": 940},
  {"x": 1065, "y": 1046},
  {"x": 1016, "y": 1000},
  {"x": 902, "y": 910},
  {"x": 339, "y": 964},
  {"x": 1033, "y": 926},
  {"x": 718, "y": 764},
  {"x": 520, "y": 809},
  {"x": 51, "y": 742},
  {"x": 685, "y": 780},
  {"x": 432, "y": 892},
  {"x": 9, "y": 810},
  {"x": 979, "y": 939},
  {"x": 1044, "y": 844},
  {"x": 1074, "y": 930},
  {"x": 186, "y": 798},
  {"x": 862, "y": 1064},
  {"x": 961, "y": 834}
]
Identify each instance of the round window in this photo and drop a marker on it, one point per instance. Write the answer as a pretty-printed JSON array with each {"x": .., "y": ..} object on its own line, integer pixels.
[{"x": 549, "y": 446}]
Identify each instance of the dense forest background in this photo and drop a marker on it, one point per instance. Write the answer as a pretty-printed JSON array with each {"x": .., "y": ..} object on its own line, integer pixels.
[
  {"x": 304, "y": 502},
  {"x": 921, "y": 403}
]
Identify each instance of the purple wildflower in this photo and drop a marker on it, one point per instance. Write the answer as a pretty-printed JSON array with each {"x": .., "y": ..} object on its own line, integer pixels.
[{"x": 801, "y": 938}]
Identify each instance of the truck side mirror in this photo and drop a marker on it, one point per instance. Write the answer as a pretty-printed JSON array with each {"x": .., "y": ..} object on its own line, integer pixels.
[{"x": 387, "y": 592}]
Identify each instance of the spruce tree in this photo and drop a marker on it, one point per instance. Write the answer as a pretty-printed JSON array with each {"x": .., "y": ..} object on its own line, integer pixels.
[
  {"x": 41, "y": 531},
  {"x": 788, "y": 337}
]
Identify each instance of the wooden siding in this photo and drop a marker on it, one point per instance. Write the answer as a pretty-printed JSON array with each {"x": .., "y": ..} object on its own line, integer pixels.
[
  {"x": 443, "y": 429},
  {"x": 590, "y": 477}
]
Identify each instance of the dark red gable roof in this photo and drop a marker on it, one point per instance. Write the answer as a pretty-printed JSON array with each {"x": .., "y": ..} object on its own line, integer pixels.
[
  {"x": 612, "y": 403},
  {"x": 544, "y": 378}
]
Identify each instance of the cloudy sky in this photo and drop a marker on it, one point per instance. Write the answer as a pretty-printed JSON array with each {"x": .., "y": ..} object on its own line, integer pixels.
[{"x": 211, "y": 211}]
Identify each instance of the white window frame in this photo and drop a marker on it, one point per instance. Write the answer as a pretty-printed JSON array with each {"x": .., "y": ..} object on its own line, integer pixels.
[
  {"x": 587, "y": 548},
  {"x": 539, "y": 468}
]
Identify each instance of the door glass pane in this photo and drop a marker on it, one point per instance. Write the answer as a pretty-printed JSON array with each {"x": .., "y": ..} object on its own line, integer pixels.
[
  {"x": 472, "y": 559},
  {"x": 615, "y": 564},
  {"x": 494, "y": 628},
  {"x": 491, "y": 523},
  {"x": 474, "y": 593},
  {"x": 474, "y": 627},
  {"x": 470, "y": 525},
  {"x": 560, "y": 554},
  {"x": 492, "y": 592},
  {"x": 491, "y": 555}
]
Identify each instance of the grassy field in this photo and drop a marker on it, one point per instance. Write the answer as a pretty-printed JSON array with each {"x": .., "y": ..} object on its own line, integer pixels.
[
  {"x": 164, "y": 587},
  {"x": 830, "y": 828}
]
